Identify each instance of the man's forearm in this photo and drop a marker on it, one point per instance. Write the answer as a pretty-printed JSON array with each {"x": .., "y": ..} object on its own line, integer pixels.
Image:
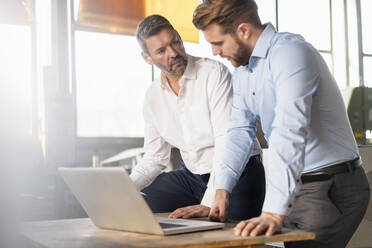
[{"x": 143, "y": 177}]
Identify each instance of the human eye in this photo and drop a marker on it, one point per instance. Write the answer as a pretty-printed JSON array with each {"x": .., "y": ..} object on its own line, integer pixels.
[
  {"x": 219, "y": 43},
  {"x": 160, "y": 50}
]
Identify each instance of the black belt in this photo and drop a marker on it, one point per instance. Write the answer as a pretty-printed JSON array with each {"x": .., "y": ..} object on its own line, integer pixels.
[{"x": 328, "y": 172}]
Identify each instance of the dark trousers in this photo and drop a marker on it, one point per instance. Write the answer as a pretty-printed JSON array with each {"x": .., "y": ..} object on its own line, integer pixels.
[
  {"x": 332, "y": 209},
  {"x": 181, "y": 188}
]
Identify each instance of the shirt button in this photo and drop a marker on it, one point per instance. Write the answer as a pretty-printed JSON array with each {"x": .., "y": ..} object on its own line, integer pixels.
[
  {"x": 290, "y": 205},
  {"x": 254, "y": 93},
  {"x": 298, "y": 180}
]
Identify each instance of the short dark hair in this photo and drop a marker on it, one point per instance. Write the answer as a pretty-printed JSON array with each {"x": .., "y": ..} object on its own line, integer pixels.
[
  {"x": 228, "y": 14},
  {"x": 150, "y": 26}
]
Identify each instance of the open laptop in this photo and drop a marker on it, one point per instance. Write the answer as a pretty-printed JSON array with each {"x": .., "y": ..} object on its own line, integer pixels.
[{"x": 112, "y": 201}]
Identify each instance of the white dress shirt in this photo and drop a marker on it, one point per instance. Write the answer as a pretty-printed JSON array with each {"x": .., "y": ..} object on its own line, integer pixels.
[{"x": 195, "y": 122}]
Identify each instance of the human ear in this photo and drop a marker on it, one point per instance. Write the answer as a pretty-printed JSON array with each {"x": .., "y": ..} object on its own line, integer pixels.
[{"x": 244, "y": 30}]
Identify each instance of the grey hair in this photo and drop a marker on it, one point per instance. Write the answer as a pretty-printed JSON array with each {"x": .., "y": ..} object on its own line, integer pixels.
[{"x": 150, "y": 26}]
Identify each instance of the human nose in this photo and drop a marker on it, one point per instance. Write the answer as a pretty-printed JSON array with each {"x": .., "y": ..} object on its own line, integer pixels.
[
  {"x": 172, "y": 51},
  {"x": 216, "y": 50}
]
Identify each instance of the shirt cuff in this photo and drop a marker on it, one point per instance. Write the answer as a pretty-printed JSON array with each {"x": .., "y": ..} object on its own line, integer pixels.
[
  {"x": 277, "y": 203},
  {"x": 226, "y": 180},
  {"x": 208, "y": 197},
  {"x": 138, "y": 180}
]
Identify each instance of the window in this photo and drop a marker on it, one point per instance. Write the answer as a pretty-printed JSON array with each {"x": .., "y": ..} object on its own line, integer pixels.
[
  {"x": 367, "y": 70},
  {"x": 111, "y": 81},
  {"x": 16, "y": 75},
  {"x": 366, "y": 20},
  {"x": 366, "y": 8},
  {"x": 267, "y": 11},
  {"x": 44, "y": 58}
]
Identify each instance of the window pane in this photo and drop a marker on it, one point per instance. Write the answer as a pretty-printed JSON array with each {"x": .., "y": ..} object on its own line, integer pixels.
[
  {"x": 266, "y": 11},
  {"x": 44, "y": 30},
  {"x": 311, "y": 19},
  {"x": 111, "y": 80},
  {"x": 339, "y": 44},
  {"x": 328, "y": 59},
  {"x": 16, "y": 76},
  {"x": 43, "y": 53},
  {"x": 366, "y": 8},
  {"x": 367, "y": 62}
]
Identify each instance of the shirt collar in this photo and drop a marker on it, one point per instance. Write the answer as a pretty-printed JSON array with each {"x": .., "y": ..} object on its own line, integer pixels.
[
  {"x": 262, "y": 45},
  {"x": 263, "y": 42},
  {"x": 190, "y": 71}
]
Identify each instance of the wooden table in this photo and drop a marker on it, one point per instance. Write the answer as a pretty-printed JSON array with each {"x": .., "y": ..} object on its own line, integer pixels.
[{"x": 82, "y": 233}]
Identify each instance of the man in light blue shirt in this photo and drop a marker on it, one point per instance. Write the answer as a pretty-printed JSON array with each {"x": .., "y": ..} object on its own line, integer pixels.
[{"x": 315, "y": 181}]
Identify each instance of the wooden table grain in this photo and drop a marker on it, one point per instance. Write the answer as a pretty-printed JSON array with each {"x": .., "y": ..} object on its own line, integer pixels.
[{"x": 82, "y": 233}]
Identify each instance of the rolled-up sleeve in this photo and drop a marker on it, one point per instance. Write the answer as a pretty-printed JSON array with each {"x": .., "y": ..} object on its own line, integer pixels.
[{"x": 157, "y": 153}]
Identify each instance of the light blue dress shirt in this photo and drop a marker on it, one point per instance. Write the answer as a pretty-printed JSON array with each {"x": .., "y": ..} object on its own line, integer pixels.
[{"x": 289, "y": 88}]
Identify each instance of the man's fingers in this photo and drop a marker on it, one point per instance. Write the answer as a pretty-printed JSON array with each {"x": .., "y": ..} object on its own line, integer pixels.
[
  {"x": 239, "y": 227},
  {"x": 271, "y": 230},
  {"x": 257, "y": 226},
  {"x": 190, "y": 214},
  {"x": 174, "y": 214},
  {"x": 222, "y": 213},
  {"x": 260, "y": 228},
  {"x": 248, "y": 229},
  {"x": 218, "y": 214},
  {"x": 177, "y": 213},
  {"x": 214, "y": 214}
]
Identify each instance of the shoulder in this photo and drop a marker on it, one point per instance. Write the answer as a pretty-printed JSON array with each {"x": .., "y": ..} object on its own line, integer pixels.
[
  {"x": 292, "y": 51},
  {"x": 288, "y": 46},
  {"x": 209, "y": 65},
  {"x": 153, "y": 91}
]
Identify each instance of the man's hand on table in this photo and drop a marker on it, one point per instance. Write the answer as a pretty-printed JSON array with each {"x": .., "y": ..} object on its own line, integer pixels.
[
  {"x": 220, "y": 205},
  {"x": 194, "y": 211},
  {"x": 267, "y": 223}
]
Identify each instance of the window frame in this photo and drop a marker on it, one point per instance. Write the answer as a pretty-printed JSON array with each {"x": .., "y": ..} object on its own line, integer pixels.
[
  {"x": 34, "y": 123},
  {"x": 74, "y": 27},
  {"x": 361, "y": 53}
]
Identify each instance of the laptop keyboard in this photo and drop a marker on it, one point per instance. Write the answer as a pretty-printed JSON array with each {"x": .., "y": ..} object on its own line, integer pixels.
[{"x": 169, "y": 225}]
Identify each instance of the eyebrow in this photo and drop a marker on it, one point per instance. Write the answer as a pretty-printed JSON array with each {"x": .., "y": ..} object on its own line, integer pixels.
[
  {"x": 217, "y": 43},
  {"x": 159, "y": 49},
  {"x": 163, "y": 47}
]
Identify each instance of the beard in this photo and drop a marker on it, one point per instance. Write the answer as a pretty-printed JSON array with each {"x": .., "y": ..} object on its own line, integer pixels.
[
  {"x": 175, "y": 66},
  {"x": 242, "y": 54}
]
